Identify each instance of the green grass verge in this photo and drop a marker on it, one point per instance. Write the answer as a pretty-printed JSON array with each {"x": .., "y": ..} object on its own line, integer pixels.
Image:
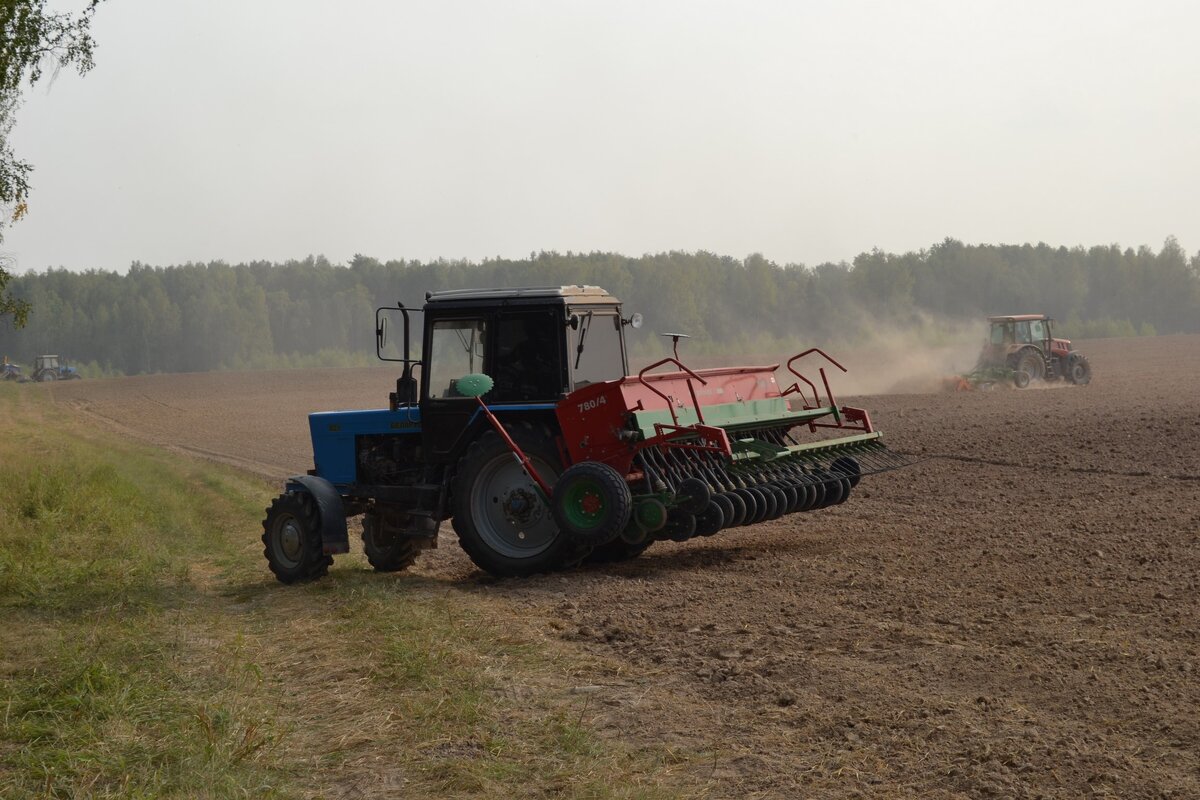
[{"x": 148, "y": 653}]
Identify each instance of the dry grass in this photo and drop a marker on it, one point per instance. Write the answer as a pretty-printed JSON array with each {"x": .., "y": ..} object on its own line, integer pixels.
[{"x": 148, "y": 653}]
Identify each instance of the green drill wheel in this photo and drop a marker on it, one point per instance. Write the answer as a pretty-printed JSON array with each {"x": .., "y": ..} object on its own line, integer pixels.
[{"x": 591, "y": 503}]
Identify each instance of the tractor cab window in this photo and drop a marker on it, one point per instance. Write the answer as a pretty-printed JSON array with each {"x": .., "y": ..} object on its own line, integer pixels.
[
  {"x": 1001, "y": 333},
  {"x": 1023, "y": 336},
  {"x": 528, "y": 362},
  {"x": 595, "y": 351},
  {"x": 1038, "y": 330},
  {"x": 455, "y": 349}
]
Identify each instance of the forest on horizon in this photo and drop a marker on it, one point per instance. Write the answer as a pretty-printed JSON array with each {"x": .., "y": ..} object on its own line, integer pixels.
[{"x": 310, "y": 312}]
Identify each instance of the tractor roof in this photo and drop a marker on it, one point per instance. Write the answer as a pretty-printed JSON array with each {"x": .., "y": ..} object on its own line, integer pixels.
[
  {"x": 1017, "y": 318},
  {"x": 568, "y": 294}
]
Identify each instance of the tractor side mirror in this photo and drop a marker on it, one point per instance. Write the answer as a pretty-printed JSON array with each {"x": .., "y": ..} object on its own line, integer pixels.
[
  {"x": 573, "y": 322},
  {"x": 476, "y": 384},
  {"x": 634, "y": 321},
  {"x": 390, "y": 347}
]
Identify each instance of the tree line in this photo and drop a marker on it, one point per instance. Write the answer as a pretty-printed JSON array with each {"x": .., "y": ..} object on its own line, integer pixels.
[{"x": 310, "y": 312}]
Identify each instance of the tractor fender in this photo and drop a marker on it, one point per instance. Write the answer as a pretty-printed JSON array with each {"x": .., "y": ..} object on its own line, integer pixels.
[{"x": 334, "y": 536}]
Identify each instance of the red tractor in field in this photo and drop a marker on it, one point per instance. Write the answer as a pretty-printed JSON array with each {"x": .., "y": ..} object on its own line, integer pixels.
[{"x": 1022, "y": 347}]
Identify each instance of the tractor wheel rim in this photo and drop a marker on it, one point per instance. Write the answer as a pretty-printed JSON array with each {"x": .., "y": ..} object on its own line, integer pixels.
[
  {"x": 289, "y": 541},
  {"x": 509, "y": 513},
  {"x": 584, "y": 505}
]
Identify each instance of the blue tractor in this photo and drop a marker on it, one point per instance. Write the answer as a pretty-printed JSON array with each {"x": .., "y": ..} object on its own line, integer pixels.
[
  {"x": 53, "y": 368},
  {"x": 528, "y": 432}
]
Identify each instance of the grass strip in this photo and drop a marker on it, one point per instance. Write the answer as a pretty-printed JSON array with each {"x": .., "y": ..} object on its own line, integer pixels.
[{"x": 147, "y": 652}]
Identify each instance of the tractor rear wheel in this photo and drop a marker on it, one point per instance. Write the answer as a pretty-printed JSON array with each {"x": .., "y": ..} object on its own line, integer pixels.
[
  {"x": 292, "y": 539},
  {"x": 1032, "y": 364},
  {"x": 386, "y": 546},
  {"x": 1079, "y": 370},
  {"x": 500, "y": 518}
]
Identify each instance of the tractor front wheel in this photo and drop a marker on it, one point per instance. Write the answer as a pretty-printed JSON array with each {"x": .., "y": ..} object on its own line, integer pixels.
[
  {"x": 501, "y": 520},
  {"x": 386, "y": 546},
  {"x": 292, "y": 539}
]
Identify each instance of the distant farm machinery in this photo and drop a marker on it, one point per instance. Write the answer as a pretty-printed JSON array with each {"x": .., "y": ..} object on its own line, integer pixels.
[
  {"x": 528, "y": 432},
  {"x": 53, "y": 368},
  {"x": 1020, "y": 350}
]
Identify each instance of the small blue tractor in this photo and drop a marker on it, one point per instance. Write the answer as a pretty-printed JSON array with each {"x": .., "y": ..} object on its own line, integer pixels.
[
  {"x": 52, "y": 368},
  {"x": 527, "y": 430}
]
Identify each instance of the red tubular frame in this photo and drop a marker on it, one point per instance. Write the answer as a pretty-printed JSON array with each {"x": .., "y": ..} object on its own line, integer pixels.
[
  {"x": 851, "y": 414},
  {"x": 691, "y": 389}
]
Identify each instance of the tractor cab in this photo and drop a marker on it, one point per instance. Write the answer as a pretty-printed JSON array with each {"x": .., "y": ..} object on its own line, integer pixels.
[{"x": 538, "y": 344}]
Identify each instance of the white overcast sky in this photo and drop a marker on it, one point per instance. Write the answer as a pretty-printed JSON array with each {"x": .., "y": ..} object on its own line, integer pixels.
[{"x": 807, "y": 131}]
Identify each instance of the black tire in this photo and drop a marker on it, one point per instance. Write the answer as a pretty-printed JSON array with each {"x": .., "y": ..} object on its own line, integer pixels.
[
  {"x": 386, "y": 547},
  {"x": 591, "y": 503},
  {"x": 616, "y": 551},
  {"x": 501, "y": 521},
  {"x": 1021, "y": 379},
  {"x": 292, "y": 539},
  {"x": 1079, "y": 370}
]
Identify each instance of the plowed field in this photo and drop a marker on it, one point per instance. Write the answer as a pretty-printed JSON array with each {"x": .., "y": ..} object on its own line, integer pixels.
[{"x": 1016, "y": 615}]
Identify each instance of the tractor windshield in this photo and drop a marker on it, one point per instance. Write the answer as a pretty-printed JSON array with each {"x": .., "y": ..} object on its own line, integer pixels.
[
  {"x": 595, "y": 348},
  {"x": 456, "y": 349}
]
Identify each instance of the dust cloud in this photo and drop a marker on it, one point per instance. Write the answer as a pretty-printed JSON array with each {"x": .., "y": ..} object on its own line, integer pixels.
[{"x": 903, "y": 360}]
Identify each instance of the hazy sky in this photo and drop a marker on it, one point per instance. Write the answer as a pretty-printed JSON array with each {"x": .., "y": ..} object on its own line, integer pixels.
[{"x": 807, "y": 131}]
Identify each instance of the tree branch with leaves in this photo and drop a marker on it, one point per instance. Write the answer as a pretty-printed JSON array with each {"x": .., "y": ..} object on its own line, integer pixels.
[{"x": 33, "y": 42}]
